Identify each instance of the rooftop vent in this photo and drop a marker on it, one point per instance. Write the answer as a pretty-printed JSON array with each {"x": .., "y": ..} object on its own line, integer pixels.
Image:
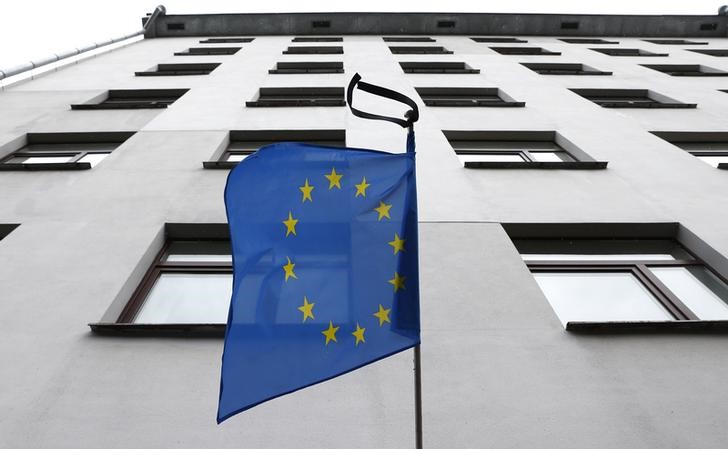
[{"x": 446, "y": 24}]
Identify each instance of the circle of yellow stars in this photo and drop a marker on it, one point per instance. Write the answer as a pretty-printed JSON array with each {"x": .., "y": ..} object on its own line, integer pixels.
[{"x": 398, "y": 245}]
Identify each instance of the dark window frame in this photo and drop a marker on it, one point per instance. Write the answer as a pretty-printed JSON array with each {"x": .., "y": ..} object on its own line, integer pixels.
[
  {"x": 698, "y": 70},
  {"x": 219, "y": 160},
  {"x": 315, "y": 50},
  {"x": 318, "y": 39},
  {"x": 558, "y": 68},
  {"x": 673, "y": 42},
  {"x": 469, "y": 97},
  {"x": 524, "y": 51},
  {"x": 408, "y": 39},
  {"x": 419, "y": 50},
  {"x": 716, "y": 52},
  {"x": 628, "y": 52},
  {"x": 227, "y": 40},
  {"x": 19, "y": 148},
  {"x": 132, "y": 99},
  {"x": 181, "y": 69},
  {"x": 498, "y": 40},
  {"x": 208, "y": 51},
  {"x": 631, "y": 99},
  {"x": 592, "y": 41},
  {"x": 439, "y": 67},
  {"x": 699, "y": 253},
  {"x": 298, "y": 97},
  {"x": 307, "y": 67},
  {"x": 580, "y": 159},
  {"x": 697, "y": 137}
]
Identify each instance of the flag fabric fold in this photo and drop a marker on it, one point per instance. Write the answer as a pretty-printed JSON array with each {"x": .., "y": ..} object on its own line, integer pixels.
[{"x": 324, "y": 244}]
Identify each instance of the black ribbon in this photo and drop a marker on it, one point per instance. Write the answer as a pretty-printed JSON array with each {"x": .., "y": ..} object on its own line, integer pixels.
[{"x": 411, "y": 116}]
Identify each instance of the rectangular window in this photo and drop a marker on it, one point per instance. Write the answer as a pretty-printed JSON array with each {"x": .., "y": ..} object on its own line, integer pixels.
[
  {"x": 575, "y": 40},
  {"x": 408, "y": 39},
  {"x": 62, "y": 151},
  {"x": 241, "y": 144},
  {"x": 685, "y": 69},
  {"x": 437, "y": 67},
  {"x": 626, "y": 52},
  {"x": 524, "y": 51},
  {"x": 709, "y": 147},
  {"x": 630, "y": 98},
  {"x": 317, "y": 39},
  {"x": 227, "y": 40},
  {"x": 499, "y": 40},
  {"x": 419, "y": 50},
  {"x": 208, "y": 51},
  {"x": 711, "y": 52},
  {"x": 545, "y": 68},
  {"x": 314, "y": 50},
  {"x": 673, "y": 42},
  {"x": 307, "y": 67},
  {"x": 298, "y": 96},
  {"x": 519, "y": 149},
  {"x": 133, "y": 99},
  {"x": 622, "y": 279},
  {"x": 180, "y": 69},
  {"x": 466, "y": 97}
]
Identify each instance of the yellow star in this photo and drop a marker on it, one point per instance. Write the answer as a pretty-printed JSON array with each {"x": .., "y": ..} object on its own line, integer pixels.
[
  {"x": 330, "y": 333},
  {"x": 383, "y": 315},
  {"x": 361, "y": 189},
  {"x": 288, "y": 268},
  {"x": 306, "y": 189},
  {"x": 359, "y": 334},
  {"x": 334, "y": 179},
  {"x": 383, "y": 210},
  {"x": 307, "y": 309},
  {"x": 397, "y": 243},
  {"x": 290, "y": 224},
  {"x": 397, "y": 281}
]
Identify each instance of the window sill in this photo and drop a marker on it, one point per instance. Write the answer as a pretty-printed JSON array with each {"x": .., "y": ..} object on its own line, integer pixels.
[
  {"x": 303, "y": 71},
  {"x": 158, "y": 330},
  {"x": 442, "y": 71},
  {"x": 422, "y": 52},
  {"x": 634, "y": 327},
  {"x": 475, "y": 103},
  {"x": 293, "y": 103},
  {"x": 44, "y": 167},
  {"x": 320, "y": 52},
  {"x": 649, "y": 105},
  {"x": 573, "y": 165},
  {"x": 220, "y": 165},
  {"x": 82, "y": 107},
  {"x": 180, "y": 73},
  {"x": 723, "y": 166},
  {"x": 545, "y": 72}
]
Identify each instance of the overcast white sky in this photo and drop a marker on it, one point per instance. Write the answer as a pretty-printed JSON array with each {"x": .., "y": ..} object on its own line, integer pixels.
[{"x": 34, "y": 29}]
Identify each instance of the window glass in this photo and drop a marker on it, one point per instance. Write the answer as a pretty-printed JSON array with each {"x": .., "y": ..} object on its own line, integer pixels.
[
  {"x": 187, "y": 298},
  {"x": 598, "y": 296},
  {"x": 236, "y": 157},
  {"x": 39, "y": 159},
  {"x": 697, "y": 288},
  {"x": 550, "y": 156},
  {"x": 93, "y": 158},
  {"x": 714, "y": 160}
]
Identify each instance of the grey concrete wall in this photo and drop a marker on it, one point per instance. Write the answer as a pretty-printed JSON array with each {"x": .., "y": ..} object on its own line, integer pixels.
[{"x": 499, "y": 370}]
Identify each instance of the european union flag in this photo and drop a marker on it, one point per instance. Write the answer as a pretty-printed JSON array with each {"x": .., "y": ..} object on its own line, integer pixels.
[{"x": 324, "y": 244}]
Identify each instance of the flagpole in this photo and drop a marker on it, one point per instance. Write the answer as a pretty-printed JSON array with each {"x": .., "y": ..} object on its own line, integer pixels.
[{"x": 418, "y": 398}]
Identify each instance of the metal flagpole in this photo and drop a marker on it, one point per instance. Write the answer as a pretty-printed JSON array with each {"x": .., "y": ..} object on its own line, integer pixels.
[{"x": 418, "y": 398}]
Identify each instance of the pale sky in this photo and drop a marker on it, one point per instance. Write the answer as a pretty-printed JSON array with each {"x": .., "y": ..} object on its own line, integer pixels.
[{"x": 35, "y": 29}]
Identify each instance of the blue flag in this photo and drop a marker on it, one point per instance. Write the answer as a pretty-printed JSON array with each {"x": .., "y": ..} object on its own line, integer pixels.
[{"x": 324, "y": 244}]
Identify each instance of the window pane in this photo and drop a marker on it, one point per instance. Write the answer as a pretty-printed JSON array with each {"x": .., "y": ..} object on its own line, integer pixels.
[
  {"x": 490, "y": 157},
  {"x": 187, "y": 298},
  {"x": 600, "y": 297},
  {"x": 714, "y": 160},
  {"x": 199, "y": 251},
  {"x": 93, "y": 158},
  {"x": 39, "y": 159},
  {"x": 236, "y": 157},
  {"x": 697, "y": 288},
  {"x": 597, "y": 257},
  {"x": 550, "y": 156}
]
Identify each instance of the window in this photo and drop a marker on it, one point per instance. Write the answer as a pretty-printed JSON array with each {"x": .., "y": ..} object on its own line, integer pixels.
[
  {"x": 298, "y": 96},
  {"x": 437, "y": 67},
  {"x": 466, "y": 96},
  {"x": 6, "y": 229},
  {"x": 626, "y": 52},
  {"x": 673, "y": 42},
  {"x": 227, "y": 40},
  {"x": 60, "y": 151},
  {"x": 421, "y": 50},
  {"x": 524, "y": 51},
  {"x": 711, "y": 52},
  {"x": 709, "y": 147},
  {"x": 189, "y": 283},
  {"x": 240, "y": 144},
  {"x": 498, "y": 40},
  {"x": 408, "y": 39},
  {"x": 545, "y": 68},
  {"x": 518, "y": 149},
  {"x": 133, "y": 99},
  {"x": 314, "y": 50},
  {"x": 587, "y": 41},
  {"x": 595, "y": 277},
  {"x": 208, "y": 51},
  {"x": 307, "y": 67},
  {"x": 317, "y": 39},
  {"x": 630, "y": 98},
  {"x": 180, "y": 69},
  {"x": 685, "y": 69}
]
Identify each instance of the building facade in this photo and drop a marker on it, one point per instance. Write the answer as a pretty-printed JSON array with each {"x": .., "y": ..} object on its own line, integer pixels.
[{"x": 573, "y": 240}]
